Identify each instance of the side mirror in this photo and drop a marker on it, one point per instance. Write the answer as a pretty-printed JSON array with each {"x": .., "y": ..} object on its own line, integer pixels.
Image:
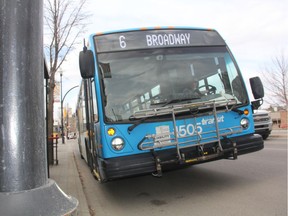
[
  {"x": 257, "y": 87},
  {"x": 86, "y": 64}
]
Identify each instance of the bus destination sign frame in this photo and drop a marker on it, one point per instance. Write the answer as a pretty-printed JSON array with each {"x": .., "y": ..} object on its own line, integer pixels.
[{"x": 161, "y": 38}]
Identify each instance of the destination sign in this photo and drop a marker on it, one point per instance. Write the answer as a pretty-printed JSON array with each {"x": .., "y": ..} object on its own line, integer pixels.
[{"x": 161, "y": 38}]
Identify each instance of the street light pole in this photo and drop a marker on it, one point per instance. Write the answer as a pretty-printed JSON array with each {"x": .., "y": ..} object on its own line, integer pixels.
[
  {"x": 62, "y": 125},
  {"x": 25, "y": 188},
  {"x": 62, "y": 100}
]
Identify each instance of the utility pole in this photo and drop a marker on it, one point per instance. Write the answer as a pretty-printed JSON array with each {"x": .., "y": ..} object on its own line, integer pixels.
[
  {"x": 62, "y": 101},
  {"x": 62, "y": 125},
  {"x": 24, "y": 186}
]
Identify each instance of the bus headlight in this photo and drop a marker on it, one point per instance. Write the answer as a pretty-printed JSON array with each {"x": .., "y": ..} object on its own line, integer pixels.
[
  {"x": 244, "y": 123},
  {"x": 117, "y": 144}
]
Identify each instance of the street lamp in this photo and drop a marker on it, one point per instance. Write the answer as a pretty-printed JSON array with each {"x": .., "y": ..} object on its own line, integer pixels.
[
  {"x": 62, "y": 100},
  {"x": 62, "y": 128}
]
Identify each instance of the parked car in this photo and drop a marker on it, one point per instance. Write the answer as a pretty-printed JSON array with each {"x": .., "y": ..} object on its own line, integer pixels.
[{"x": 262, "y": 123}]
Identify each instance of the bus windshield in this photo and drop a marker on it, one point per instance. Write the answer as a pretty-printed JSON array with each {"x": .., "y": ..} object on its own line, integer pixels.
[{"x": 143, "y": 79}]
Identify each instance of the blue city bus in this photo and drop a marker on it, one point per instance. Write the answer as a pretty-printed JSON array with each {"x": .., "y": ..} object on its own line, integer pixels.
[{"x": 156, "y": 99}]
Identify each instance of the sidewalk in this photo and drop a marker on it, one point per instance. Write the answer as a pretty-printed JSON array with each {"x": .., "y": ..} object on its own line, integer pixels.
[{"x": 66, "y": 175}]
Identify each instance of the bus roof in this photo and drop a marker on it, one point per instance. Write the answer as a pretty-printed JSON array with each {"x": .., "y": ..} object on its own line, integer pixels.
[{"x": 151, "y": 28}]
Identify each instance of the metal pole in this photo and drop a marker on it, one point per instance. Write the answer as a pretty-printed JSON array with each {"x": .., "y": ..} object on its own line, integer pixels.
[
  {"x": 22, "y": 102},
  {"x": 62, "y": 125},
  {"x": 68, "y": 92},
  {"x": 46, "y": 76},
  {"x": 62, "y": 100},
  {"x": 24, "y": 186}
]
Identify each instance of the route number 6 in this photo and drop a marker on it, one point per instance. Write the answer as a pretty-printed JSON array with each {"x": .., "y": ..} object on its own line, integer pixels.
[{"x": 122, "y": 41}]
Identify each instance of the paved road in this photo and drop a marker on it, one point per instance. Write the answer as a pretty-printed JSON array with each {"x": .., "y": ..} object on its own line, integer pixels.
[{"x": 255, "y": 184}]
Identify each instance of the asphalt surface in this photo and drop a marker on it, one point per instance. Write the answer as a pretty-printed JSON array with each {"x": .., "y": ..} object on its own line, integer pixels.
[{"x": 255, "y": 184}]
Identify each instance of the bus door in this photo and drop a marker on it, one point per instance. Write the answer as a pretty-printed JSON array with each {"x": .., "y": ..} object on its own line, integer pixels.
[{"x": 90, "y": 117}]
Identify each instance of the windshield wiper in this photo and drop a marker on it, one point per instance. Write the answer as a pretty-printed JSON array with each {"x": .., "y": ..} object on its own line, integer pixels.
[
  {"x": 175, "y": 101},
  {"x": 240, "y": 112},
  {"x": 130, "y": 128}
]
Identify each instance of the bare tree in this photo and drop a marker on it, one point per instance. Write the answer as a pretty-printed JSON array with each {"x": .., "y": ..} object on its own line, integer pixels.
[
  {"x": 64, "y": 22},
  {"x": 275, "y": 80}
]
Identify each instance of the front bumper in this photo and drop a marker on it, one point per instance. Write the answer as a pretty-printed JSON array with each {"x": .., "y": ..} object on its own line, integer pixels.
[{"x": 156, "y": 161}]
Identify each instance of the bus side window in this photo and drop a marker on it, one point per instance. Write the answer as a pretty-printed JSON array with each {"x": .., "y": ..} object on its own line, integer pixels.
[{"x": 95, "y": 108}]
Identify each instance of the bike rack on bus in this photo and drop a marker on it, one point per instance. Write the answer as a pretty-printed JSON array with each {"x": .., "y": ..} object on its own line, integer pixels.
[{"x": 150, "y": 141}]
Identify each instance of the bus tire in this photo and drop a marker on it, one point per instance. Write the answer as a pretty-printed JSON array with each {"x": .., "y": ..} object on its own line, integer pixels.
[{"x": 98, "y": 172}]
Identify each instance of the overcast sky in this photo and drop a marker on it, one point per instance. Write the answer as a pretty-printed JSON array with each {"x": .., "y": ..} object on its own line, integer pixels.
[{"x": 255, "y": 30}]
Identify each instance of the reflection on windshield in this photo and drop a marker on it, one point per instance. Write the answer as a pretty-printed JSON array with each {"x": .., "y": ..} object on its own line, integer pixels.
[{"x": 136, "y": 81}]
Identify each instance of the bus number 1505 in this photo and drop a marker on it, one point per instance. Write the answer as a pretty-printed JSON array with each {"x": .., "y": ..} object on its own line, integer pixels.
[{"x": 189, "y": 129}]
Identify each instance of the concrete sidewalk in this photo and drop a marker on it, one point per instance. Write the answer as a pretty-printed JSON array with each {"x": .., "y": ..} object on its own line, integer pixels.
[{"x": 66, "y": 175}]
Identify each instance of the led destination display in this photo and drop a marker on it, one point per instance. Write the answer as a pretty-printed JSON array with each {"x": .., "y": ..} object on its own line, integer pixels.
[{"x": 161, "y": 38}]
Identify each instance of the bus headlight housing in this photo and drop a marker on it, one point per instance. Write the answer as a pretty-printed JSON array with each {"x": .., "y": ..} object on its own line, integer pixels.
[
  {"x": 244, "y": 123},
  {"x": 117, "y": 143}
]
